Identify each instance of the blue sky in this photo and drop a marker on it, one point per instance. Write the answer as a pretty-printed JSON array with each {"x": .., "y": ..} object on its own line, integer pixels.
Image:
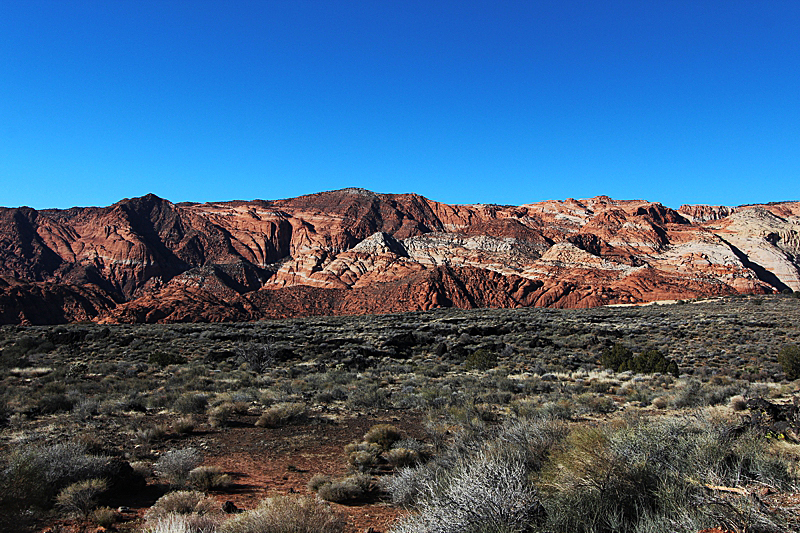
[{"x": 503, "y": 102}]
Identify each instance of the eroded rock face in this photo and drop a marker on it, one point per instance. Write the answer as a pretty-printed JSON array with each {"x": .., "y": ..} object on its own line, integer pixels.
[{"x": 354, "y": 251}]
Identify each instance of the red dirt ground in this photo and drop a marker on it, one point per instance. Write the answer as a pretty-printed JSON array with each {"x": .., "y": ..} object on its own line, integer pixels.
[{"x": 266, "y": 462}]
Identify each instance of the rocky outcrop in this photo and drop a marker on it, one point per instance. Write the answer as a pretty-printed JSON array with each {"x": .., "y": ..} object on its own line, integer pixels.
[
  {"x": 703, "y": 213},
  {"x": 354, "y": 251}
]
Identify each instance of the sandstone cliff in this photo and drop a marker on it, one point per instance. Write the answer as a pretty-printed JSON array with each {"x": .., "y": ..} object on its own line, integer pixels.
[{"x": 354, "y": 251}]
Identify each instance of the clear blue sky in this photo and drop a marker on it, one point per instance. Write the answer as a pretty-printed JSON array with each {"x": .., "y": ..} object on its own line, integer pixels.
[{"x": 460, "y": 101}]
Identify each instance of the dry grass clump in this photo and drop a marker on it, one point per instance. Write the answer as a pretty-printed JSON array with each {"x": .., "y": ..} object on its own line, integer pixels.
[
  {"x": 400, "y": 457},
  {"x": 384, "y": 435},
  {"x": 105, "y": 517},
  {"x": 362, "y": 456},
  {"x": 283, "y": 414},
  {"x": 738, "y": 403},
  {"x": 184, "y": 425},
  {"x": 219, "y": 415},
  {"x": 81, "y": 497},
  {"x": 182, "y": 502},
  {"x": 151, "y": 434},
  {"x": 347, "y": 489},
  {"x": 185, "y": 523},
  {"x": 318, "y": 480},
  {"x": 286, "y": 514},
  {"x": 206, "y": 478}
]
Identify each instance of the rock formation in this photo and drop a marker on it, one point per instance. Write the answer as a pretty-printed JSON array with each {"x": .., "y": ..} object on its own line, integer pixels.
[{"x": 353, "y": 251}]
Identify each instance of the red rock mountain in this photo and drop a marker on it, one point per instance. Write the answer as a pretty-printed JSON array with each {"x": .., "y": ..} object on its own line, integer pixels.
[{"x": 353, "y": 251}]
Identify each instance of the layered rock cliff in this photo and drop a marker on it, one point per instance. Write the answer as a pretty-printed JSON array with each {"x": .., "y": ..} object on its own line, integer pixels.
[{"x": 354, "y": 251}]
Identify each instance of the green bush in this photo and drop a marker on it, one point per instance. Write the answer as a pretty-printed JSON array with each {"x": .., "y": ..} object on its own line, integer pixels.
[
  {"x": 622, "y": 359},
  {"x": 163, "y": 359},
  {"x": 480, "y": 359},
  {"x": 789, "y": 358}
]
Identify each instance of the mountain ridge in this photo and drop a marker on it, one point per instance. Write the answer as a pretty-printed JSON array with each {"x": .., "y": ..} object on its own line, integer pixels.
[{"x": 354, "y": 251}]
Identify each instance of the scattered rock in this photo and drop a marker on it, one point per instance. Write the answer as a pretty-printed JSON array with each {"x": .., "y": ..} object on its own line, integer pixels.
[{"x": 229, "y": 507}]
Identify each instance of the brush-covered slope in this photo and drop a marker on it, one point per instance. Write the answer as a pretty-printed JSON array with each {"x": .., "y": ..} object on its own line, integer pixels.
[{"x": 354, "y": 251}]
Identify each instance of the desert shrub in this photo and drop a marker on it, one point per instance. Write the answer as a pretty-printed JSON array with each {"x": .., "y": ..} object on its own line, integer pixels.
[
  {"x": 384, "y": 435},
  {"x": 400, "y": 457},
  {"x": 184, "y": 425},
  {"x": 738, "y": 403},
  {"x": 175, "y": 465},
  {"x": 81, "y": 497},
  {"x": 331, "y": 394},
  {"x": 180, "y": 502},
  {"x": 283, "y": 414},
  {"x": 163, "y": 359},
  {"x": 406, "y": 486},
  {"x": 622, "y": 359},
  {"x": 486, "y": 491},
  {"x": 636, "y": 476},
  {"x": 206, "y": 478},
  {"x": 368, "y": 396},
  {"x": 32, "y": 475},
  {"x": 345, "y": 489},
  {"x": 691, "y": 395},
  {"x": 150, "y": 434},
  {"x": 480, "y": 359},
  {"x": 85, "y": 409},
  {"x": 597, "y": 403},
  {"x": 318, "y": 480},
  {"x": 410, "y": 443},
  {"x": 661, "y": 402},
  {"x": 622, "y": 480},
  {"x": 185, "y": 523},
  {"x": 362, "y": 456},
  {"x": 533, "y": 438},
  {"x": 191, "y": 403},
  {"x": 720, "y": 394},
  {"x": 259, "y": 357},
  {"x": 362, "y": 460},
  {"x": 105, "y": 517},
  {"x": 55, "y": 403},
  {"x": 220, "y": 415},
  {"x": 789, "y": 359},
  {"x": 142, "y": 468},
  {"x": 287, "y": 515},
  {"x": 561, "y": 410}
]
